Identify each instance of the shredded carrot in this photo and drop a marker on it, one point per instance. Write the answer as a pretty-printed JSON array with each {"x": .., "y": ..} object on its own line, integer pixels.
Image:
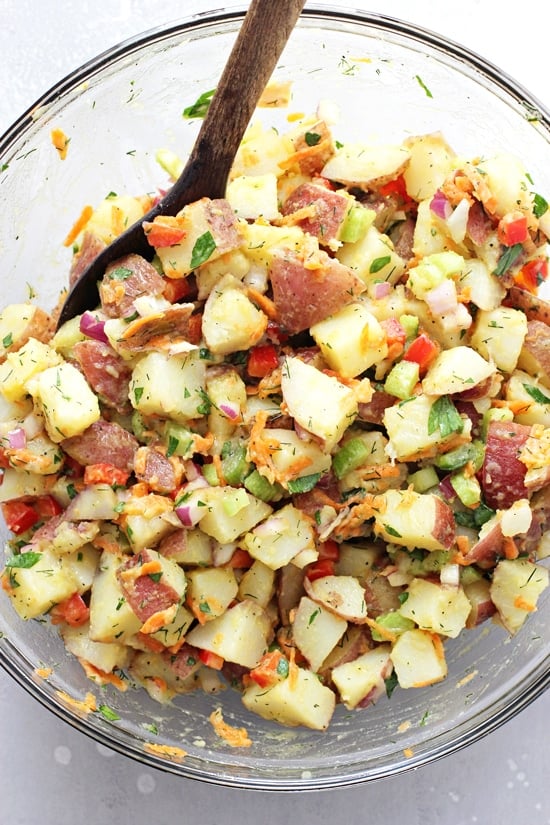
[
  {"x": 101, "y": 677},
  {"x": 265, "y": 303},
  {"x": 60, "y": 142},
  {"x": 159, "y": 619},
  {"x": 523, "y": 604},
  {"x": 217, "y": 462},
  {"x": 170, "y": 751},
  {"x": 85, "y": 706},
  {"x": 408, "y": 753},
  {"x": 44, "y": 672},
  {"x": 292, "y": 117},
  {"x": 389, "y": 635},
  {"x": 78, "y": 225},
  {"x": 235, "y": 737},
  {"x": 509, "y": 547}
]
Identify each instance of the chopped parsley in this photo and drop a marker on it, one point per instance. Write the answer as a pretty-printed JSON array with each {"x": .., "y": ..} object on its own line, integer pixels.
[
  {"x": 444, "y": 417},
  {"x": 536, "y": 394},
  {"x": 202, "y": 250},
  {"x": 200, "y": 107}
]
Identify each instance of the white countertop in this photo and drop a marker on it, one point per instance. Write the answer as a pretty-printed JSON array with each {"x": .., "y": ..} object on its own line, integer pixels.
[{"x": 51, "y": 774}]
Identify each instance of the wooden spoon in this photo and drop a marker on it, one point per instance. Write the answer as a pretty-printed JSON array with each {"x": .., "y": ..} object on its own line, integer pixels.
[{"x": 259, "y": 44}]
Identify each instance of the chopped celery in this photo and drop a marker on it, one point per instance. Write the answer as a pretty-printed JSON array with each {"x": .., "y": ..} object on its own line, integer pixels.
[
  {"x": 495, "y": 414},
  {"x": 235, "y": 465},
  {"x": 467, "y": 489},
  {"x": 356, "y": 223},
  {"x": 211, "y": 475},
  {"x": 259, "y": 486},
  {"x": 353, "y": 454},
  {"x": 179, "y": 440},
  {"x": 402, "y": 379},
  {"x": 392, "y": 621},
  {"x": 454, "y": 459},
  {"x": 170, "y": 162},
  {"x": 234, "y": 500},
  {"x": 409, "y": 324},
  {"x": 423, "y": 479}
]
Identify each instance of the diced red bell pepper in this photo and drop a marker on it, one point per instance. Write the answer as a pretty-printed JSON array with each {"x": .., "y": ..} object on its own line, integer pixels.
[
  {"x": 176, "y": 288},
  {"x": 262, "y": 360},
  {"x": 104, "y": 473},
  {"x": 240, "y": 560},
  {"x": 532, "y": 274},
  {"x": 397, "y": 187},
  {"x": 163, "y": 231},
  {"x": 211, "y": 659},
  {"x": 73, "y": 611},
  {"x": 19, "y": 516},
  {"x": 47, "y": 507},
  {"x": 422, "y": 350},
  {"x": 320, "y": 568},
  {"x": 194, "y": 328},
  {"x": 329, "y": 549},
  {"x": 512, "y": 228},
  {"x": 4, "y": 460}
]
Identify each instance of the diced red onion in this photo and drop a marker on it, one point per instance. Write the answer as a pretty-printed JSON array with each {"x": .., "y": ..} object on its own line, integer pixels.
[
  {"x": 230, "y": 410},
  {"x": 33, "y": 425},
  {"x": 222, "y": 553},
  {"x": 17, "y": 439},
  {"x": 93, "y": 327},
  {"x": 446, "y": 488},
  {"x": 440, "y": 206},
  {"x": 192, "y": 470},
  {"x": 442, "y": 299},
  {"x": 190, "y": 513},
  {"x": 382, "y": 289}
]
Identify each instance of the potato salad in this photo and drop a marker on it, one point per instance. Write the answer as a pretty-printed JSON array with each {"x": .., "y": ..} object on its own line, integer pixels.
[{"x": 301, "y": 446}]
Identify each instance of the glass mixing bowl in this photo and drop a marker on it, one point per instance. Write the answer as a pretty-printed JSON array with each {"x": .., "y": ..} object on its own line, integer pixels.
[{"x": 390, "y": 79}]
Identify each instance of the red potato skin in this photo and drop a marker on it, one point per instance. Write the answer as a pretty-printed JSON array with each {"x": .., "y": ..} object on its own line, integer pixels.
[
  {"x": 444, "y": 526},
  {"x": 145, "y": 596},
  {"x": 487, "y": 550},
  {"x": 502, "y": 473},
  {"x": 328, "y": 210}
]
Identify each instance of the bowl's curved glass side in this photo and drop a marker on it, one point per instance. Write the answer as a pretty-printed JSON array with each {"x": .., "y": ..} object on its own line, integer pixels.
[{"x": 117, "y": 114}]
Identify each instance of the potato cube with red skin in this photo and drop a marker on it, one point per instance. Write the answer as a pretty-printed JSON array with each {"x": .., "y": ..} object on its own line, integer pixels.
[
  {"x": 415, "y": 520},
  {"x": 418, "y": 659},
  {"x": 361, "y": 682},
  {"x": 439, "y": 608},
  {"x": 316, "y": 631},
  {"x": 503, "y": 474},
  {"x": 534, "y": 357}
]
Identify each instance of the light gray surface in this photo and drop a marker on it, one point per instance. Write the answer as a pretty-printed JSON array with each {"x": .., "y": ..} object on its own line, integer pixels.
[{"x": 51, "y": 774}]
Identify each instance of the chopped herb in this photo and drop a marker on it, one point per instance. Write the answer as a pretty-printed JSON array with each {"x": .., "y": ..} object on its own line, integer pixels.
[
  {"x": 120, "y": 273},
  {"x": 312, "y": 138},
  {"x": 536, "y": 394},
  {"x": 206, "y": 404},
  {"x": 379, "y": 263},
  {"x": 444, "y": 417},
  {"x": 205, "y": 354},
  {"x": 391, "y": 531},
  {"x": 540, "y": 206},
  {"x": 403, "y": 597},
  {"x": 314, "y": 616},
  {"x": 508, "y": 258},
  {"x": 423, "y": 86},
  {"x": 108, "y": 713},
  {"x": 151, "y": 727},
  {"x": 24, "y": 560},
  {"x": 391, "y": 683},
  {"x": 424, "y": 719},
  {"x": 138, "y": 392},
  {"x": 156, "y": 577},
  {"x": 204, "y": 607},
  {"x": 7, "y": 340},
  {"x": 202, "y": 250},
  {"x": 303, "y": 484},
  {"x": 71, "y": 490},
  {"x": 201, "y": 105}
]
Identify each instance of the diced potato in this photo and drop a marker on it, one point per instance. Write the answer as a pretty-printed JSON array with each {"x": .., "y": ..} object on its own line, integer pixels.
[
  {"x": 231, "y": 322},
  {"x": 280, "y": 537},
  {"x": 155, "y": 673},
  {"x": 456, "y": 370},
  {"x": 262, "y": 241},
  {"x": 316, "y": 631},
  {"x": 19, "y": 367},
  {"x": 295, "y": 457},
  {"x": 372, "y": 258},
  {"x": 519, "y": 387},
  {"x": 188, "y": 547},
  {"x": 18, "y": 323},
  {"x": 440, "y": 608},
  {"x": 362, "y": 681},
  {"x": 66, "y": 401},
  {"x": 39, "y": 455},
  {"x": 18, "y": 483},
  {"x": 508, "y": 181},
  {"x": 225, "y": 525},
  {"x": 301, "y": 699},
  {"x": 106, "y": 656},
  {"x": 34, "y": 590},
  {"x": 254, "y": 196},
  {"x": 534, "y": 357},
  {"x": 351, "y": 340},
  {"x": 210, "y": 591},
  {"x": 147, "y": 530},
  {"x": 407, "y": 427},
  {"x": 170, "y": 386},
  {"x": 172, "y": 634},
  {"x": 415, "y": 520},
  {"x": 361, "y": 165},
  {"x": 486, "y": 291},
  {"x": 320, "y": 403},
  {"x": 418, "y": 659},
  {"x": 356, "y": 560},
  {"x": 515, "y": 589},
  {"x": 67, "y": 336},
  {"x": 498, "y": 336},
  {"x": 115, "y": 214},
  {"x": 431, "y": 160},
  {"x": 261, "y": 152},
  {"x": 258, "y": 583},
  {"x": 83, "y": 564},
  {"x": 239, "y": 635},
  {"x": 342, "y": 595},
  {"x": 234, "y": 263},
  {"x": 429, "y": 235},
  {"x": 111, "y": 617}
]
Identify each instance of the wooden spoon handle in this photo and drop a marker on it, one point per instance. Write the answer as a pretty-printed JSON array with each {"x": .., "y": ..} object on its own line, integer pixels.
[{"x": 261, "y": 39}]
